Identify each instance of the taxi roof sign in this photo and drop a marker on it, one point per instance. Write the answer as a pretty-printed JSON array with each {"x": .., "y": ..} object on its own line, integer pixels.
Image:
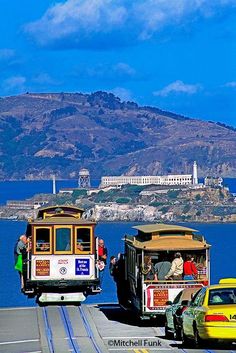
[{"x": 227, "y": 281}]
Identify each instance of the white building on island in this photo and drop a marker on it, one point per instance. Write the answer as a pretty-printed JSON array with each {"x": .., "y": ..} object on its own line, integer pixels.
[{"x": 175, "y": 179}]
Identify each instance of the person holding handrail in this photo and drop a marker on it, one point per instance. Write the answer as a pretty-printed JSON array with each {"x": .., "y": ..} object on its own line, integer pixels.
[{"x": 22, "y": 246}]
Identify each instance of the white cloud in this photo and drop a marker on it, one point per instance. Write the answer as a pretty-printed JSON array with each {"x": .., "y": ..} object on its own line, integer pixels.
[
  {"x": 123, "y": 93},
  {"x": 231, "y": 84},
  {"x": 156, "y": 14},
  {"x": 14, "y": 83},
  {"x": 77, "y": 17},
  {"x": 178, "y": 87},
  {"x": 102, "y": 24}
]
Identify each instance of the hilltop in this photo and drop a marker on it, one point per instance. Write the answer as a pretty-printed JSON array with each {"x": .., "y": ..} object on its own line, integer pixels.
[{"x": 59, "y": 133}]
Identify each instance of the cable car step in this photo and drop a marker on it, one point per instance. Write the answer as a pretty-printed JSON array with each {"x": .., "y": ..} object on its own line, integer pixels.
[
  {"x": 97, "y": 290},
  {"x": 61, "y": 297},
  {"x": 28, "y": 291}
]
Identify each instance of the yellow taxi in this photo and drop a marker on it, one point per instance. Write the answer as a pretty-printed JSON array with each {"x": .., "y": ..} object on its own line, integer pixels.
[{"x": 211, "y": 314}]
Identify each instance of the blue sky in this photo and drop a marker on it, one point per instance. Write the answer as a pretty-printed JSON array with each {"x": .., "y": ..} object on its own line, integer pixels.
[{"x": 177, "y": 55}]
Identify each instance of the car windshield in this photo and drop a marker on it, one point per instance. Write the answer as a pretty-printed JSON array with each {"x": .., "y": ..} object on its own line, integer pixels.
[{"x": 221, "y": 296}]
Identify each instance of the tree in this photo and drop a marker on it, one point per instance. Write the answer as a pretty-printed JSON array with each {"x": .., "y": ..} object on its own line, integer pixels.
[
  {"x": 173, "y": 194},
  {"x": 123, "y": 200},
  {"x": 198, "y": 197}
]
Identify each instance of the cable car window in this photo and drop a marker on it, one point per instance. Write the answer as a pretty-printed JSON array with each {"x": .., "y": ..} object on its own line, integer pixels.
[
  {"x": 63, "y": 240},
  {"x": 83, "y": 240},
  {"x": 42, "y": 240},
  {"x": 131, "y": 262}
]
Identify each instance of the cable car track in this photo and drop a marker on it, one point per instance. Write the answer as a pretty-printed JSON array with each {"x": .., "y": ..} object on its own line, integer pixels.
[
  {"x": 69, "y": 330},
  {"x": 48, "y": 331},
  {"x": 74, "y": 341},
  {"x": 89, "y": 330}
]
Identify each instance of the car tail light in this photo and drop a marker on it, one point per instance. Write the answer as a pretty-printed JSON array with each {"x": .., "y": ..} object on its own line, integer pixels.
[
  {"x": 215, "y": 318},
  {"x": 205, "y": 283}
]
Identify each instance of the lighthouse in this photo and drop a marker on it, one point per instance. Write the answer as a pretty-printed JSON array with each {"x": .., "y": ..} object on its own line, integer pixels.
[
  {"x": 54, "y": 185},
  {"x": 195, "y": 179}
]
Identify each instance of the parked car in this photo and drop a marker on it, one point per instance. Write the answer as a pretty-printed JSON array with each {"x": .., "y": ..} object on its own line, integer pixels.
[
  {"x": 173, "y": 313},
  {"x": 211, "y": 314}
]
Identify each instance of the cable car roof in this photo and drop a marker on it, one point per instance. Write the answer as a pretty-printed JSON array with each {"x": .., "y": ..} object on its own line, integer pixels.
[
  {"x": 59, "y": 210},
  {"x": 160, "y": 227},
  {"x": 62, "y": 221},
  {"x": 169, "y": 243}
]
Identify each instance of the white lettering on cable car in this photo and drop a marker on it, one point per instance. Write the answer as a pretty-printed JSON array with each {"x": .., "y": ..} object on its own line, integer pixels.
[{"x": 82, "y": 267}]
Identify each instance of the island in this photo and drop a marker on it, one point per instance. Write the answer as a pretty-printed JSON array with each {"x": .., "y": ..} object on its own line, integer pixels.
[{"x": 151, "y": 203}]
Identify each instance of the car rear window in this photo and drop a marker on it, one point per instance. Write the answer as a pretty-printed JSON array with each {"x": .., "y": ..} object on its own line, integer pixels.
[{"x": 222, "y": 296}]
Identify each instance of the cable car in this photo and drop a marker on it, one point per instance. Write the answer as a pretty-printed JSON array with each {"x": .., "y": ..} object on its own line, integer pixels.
[
  {"x": 60, "y": 264},
  {"x": 158, "y": 242}
]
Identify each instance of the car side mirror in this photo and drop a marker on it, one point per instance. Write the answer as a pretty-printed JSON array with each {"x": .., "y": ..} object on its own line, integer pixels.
[
  {"x": 185, "y": 302},
  {"x": 169, "y": 302}
]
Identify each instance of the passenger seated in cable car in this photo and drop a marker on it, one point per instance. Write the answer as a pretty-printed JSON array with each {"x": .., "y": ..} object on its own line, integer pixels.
[
  {"x": 80, "y": 246},
  {"x": 41, "y": 245}
]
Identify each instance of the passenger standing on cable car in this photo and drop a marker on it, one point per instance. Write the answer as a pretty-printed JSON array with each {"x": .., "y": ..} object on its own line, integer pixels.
[
  {"x": 102, "y": 251},
  {"x": 162, "y": 267},
  {"x": 102, "y": 258},
  {"x": 20, "y": 246},
  {"x": 176, "y": 271},
  {"x": 190, "y": 270},
  {"x": 117, "y": 271},
  {"x": 148, "y": 269},
  {"x": 20, "y": 250}
]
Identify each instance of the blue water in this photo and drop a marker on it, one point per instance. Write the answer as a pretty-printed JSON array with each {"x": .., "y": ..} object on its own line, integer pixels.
[
  {"x": 20, "y": 190},
  {"x": 222, "y": 237}
]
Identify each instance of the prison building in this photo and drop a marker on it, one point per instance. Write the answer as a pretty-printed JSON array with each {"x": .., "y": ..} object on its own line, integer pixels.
[{"x": 186, "y": 179}]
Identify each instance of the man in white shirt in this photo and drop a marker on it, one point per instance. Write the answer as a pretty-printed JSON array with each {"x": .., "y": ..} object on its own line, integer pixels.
[{"x": 176, "y": 270}]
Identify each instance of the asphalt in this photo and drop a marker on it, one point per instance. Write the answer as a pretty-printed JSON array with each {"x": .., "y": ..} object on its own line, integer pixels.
[{"x": 98, "y": 328}]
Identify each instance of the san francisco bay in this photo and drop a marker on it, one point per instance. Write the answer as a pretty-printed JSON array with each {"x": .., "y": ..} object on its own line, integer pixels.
[{"x": 222, "y": 237}]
